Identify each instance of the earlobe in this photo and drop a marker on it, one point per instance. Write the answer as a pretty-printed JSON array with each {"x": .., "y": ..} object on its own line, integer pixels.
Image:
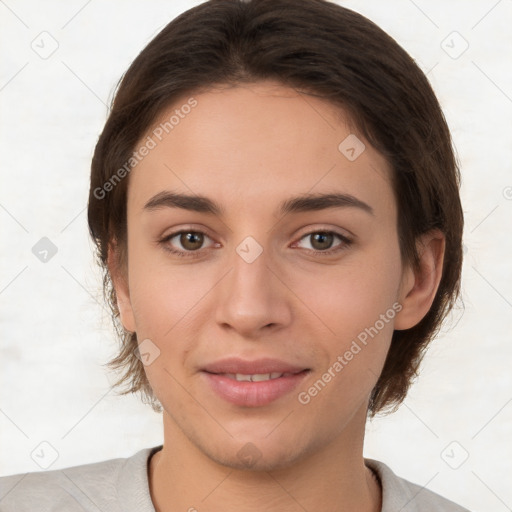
[
  {"x": 120, "y": 283},
  {"x": 419, "y": 286}
]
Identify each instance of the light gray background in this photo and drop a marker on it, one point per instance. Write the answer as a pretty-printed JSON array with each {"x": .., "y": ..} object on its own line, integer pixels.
[{"x": 55, "y": 336}]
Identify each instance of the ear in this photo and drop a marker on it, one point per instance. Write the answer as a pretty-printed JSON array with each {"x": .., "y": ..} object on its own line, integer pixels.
[
  {"x": 418, "y": 287},
  {"x": 117, "y": 267}
]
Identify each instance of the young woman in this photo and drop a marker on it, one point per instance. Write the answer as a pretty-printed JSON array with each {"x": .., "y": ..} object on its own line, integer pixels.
[{"x": 275, "y": 204}]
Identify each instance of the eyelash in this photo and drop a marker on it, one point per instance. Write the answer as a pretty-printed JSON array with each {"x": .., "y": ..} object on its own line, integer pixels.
[{"x": 198, "y": 253}]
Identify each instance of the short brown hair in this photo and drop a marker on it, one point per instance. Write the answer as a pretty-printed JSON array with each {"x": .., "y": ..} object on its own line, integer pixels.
[{"x": 322, "y": 49}]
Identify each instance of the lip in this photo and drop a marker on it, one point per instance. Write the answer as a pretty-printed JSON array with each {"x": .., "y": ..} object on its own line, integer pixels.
[
  {"x": 263, "y": 365},
  {"x": 253, "y": 394}
]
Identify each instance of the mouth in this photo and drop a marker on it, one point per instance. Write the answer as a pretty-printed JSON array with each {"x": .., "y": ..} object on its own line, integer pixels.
[
  {"x": 255, "y": 377},
  {"x": 253, "y": 383}
]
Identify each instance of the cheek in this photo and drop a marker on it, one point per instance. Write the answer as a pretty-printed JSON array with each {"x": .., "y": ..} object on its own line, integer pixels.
[
  {"x": 166, "y": 301},
  {"x": 350, "y": 296},
  {"x": 162, "y": 294},
  {"x": 355, "y": 305}
]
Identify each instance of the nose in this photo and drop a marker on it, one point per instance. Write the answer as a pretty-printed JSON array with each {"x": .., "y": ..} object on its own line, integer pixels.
[{"x": 252, "y": 299}]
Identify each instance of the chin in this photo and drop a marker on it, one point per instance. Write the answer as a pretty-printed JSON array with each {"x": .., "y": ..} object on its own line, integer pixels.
[{"x": 250, "y": 458}]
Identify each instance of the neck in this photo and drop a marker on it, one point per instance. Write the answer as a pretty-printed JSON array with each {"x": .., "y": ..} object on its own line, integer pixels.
[{"x": 332, "y": 477}]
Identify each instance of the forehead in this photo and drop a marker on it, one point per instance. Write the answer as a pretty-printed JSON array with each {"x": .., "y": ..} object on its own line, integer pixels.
[{"x": 255, "y": 145}]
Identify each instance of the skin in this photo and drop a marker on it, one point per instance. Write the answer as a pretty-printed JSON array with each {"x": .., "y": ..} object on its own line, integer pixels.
[{"x": 249, "y": 148}]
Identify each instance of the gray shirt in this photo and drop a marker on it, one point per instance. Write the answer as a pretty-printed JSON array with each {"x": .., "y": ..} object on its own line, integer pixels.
[{"x": 121, "y": 485}]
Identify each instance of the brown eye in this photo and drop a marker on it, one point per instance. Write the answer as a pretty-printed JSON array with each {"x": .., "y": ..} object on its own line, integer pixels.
[
  {"x": 321, "y": 240},
  {"x": 187, "y": 243},
  {"x": 191, "y": 240}
]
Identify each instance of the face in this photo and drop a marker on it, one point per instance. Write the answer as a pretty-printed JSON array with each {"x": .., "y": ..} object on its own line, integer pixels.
[{"x": 287, "y": 266}]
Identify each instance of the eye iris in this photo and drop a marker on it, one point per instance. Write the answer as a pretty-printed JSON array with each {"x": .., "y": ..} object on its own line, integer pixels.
[
  {"x": 322, "y": 240},
  {"x": 191, "y": 240}
]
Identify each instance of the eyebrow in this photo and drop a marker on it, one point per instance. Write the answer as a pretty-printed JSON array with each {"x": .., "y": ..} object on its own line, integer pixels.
[{"x": 302, "y": 203}]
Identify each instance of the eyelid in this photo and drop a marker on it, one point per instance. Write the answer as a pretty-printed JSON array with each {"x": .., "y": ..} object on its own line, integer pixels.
[
  {"x": 187, "y": 228},
  {"x": 319, "y": 228}
]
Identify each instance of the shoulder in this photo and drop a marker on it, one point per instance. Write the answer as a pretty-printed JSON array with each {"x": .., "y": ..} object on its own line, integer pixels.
[
  {"x": 100, "y": 485},
  {"x": 400, "y": 494}
]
